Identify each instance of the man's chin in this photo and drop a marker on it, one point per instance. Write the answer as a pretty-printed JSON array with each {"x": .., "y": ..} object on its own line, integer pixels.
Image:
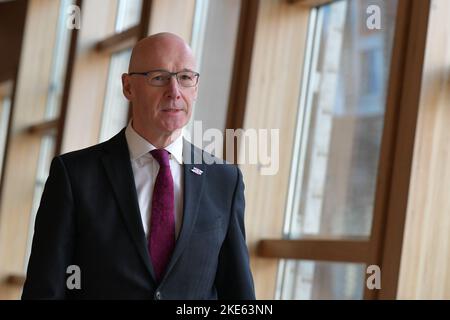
[{"x": 171, "y": 128}]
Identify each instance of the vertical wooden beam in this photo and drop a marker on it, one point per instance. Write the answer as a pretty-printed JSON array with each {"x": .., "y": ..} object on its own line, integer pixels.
[
  {"x": 398, "y": 143},
  {"x": 67, "y": 83},
  {"x": 396, "y": 78},
  {"x": 144, "y": 24},
  {"x": 241, "y": 68}
]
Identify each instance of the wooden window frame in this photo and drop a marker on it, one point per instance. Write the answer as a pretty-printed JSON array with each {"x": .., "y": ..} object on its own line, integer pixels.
[
  {"x": 383, "y": 247},
  {"x": 114, "y": 43},
  {"x": 241, "y": 69},
  {"x": 56, "y": 126},
  {"x": 22, "y": 148},
  {"x": 310, "y": 3}
]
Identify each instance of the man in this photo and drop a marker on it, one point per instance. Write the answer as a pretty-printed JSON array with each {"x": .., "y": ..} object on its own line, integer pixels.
[{"x": 137, "y": 216}]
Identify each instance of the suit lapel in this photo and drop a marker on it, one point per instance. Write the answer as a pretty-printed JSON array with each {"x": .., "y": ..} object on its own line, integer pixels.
[
  {"x": 118, "y": 168},
  {"x": 193, "y": 189}
]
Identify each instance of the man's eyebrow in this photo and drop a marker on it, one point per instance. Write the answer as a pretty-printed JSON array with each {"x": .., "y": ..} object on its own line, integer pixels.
[
  {"x": 156, "y": 70},
  {"x": 165, "y": 70}
]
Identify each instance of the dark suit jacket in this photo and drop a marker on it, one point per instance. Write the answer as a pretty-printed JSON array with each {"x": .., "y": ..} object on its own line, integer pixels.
[{"x": 89, "y": 217}]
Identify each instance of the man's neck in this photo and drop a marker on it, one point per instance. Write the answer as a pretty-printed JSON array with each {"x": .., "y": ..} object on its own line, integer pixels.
[{"x": 158, "y": 140}]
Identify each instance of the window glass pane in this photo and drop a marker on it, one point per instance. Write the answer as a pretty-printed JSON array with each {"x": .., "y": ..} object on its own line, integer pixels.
[
  {"x": 214, "y": 38},
  {"x": 5, "y": 109},
  {"x": 115, "y": 110},
  {"x": 340, "y": 121},
  {"x": 46, "y": 154},
  {"x": 304, "y": 280},
  {"x": 128, "y": 14},
  {"x": 52, "y": 111},
  {"x": 58, "y": 72}
]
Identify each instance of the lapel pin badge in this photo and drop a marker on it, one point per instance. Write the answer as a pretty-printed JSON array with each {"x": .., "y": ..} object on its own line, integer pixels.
[{"x": 197, "y": 171}]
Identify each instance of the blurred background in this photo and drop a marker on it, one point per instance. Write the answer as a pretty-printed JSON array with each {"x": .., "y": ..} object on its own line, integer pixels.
[{"x": 358, "y": 89}]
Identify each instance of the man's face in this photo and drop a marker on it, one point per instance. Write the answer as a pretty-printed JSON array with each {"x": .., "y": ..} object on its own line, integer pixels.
[{"x": 165, "y": 109}]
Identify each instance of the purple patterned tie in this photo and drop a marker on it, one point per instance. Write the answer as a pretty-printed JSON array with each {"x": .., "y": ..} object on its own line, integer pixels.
[{"x": 162, "y": 223}]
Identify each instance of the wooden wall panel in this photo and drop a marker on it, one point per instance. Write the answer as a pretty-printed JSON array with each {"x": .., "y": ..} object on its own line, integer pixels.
[
  {"x": 272, "y": 103},
  {"x": 425, "y": 265},
  {"x": 23, "y": 150},
  {"x": 88, "y": 87},
  {"x": 12, "y": 20},
  {"x": 8, "y": 291},
  {"x": 172, "y": 16}
]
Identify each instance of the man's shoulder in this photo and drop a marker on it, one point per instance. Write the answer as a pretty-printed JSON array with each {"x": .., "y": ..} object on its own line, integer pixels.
[{"x": 97, "y": 151}]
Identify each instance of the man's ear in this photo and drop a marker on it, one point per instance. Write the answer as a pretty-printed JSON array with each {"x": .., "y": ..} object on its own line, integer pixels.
[
  {"x": 126, "y": 86},
  {"x": 195, "y": 92}
]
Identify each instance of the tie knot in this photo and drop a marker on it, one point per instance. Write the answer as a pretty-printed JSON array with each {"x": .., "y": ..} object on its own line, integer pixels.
[{"x": 162, "y": 156}]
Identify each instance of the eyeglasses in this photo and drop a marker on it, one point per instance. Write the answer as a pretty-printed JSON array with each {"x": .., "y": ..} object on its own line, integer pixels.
[{"x": 161, "y": 78}]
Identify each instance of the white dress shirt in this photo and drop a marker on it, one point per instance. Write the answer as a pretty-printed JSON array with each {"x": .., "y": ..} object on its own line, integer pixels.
[{"x": 145, "y": 169}]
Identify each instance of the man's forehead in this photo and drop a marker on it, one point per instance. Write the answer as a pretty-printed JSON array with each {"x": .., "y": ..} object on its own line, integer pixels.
[
  {"x": 162, "y": 54},
  {"x": 166, "y": 62}
]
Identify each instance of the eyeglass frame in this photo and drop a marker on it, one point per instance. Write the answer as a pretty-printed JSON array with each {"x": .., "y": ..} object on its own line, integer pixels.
[{"x": 146, "y": 73}]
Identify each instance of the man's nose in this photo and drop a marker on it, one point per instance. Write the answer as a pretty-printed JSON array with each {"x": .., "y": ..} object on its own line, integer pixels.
[{"x": 173, "y": 91}]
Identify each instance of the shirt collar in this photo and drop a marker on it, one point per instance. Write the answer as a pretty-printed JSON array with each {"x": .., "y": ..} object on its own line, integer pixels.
[{"x": 139, "y": 146}]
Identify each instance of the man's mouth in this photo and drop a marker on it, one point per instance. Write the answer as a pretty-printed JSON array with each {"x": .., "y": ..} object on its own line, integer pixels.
[{"x": 172, "y": 110}]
